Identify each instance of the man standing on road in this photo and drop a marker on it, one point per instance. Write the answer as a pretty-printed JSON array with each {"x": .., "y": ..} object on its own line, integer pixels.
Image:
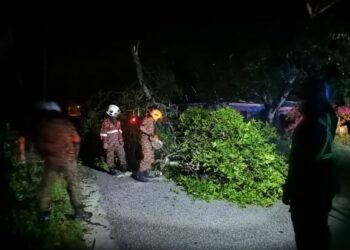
[
  {"x": 58, "y": 143},
  {"x": 112, "y": 139},
  {"x": 147, "y": 130},
  {"x": 311, "y": 185}
]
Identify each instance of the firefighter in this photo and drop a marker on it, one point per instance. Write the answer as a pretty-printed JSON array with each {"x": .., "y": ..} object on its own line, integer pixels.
[
  {"x": 147, "y": 131},
  {"x": 112, "y": 139},
  {"x": 58, "y": 143}
]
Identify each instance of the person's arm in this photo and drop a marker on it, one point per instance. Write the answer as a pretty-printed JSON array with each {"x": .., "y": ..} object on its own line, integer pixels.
[
  {"x": 118, "y": 126},
  {"x": 77, "y": 149},
  {"x": 103, "y": 133},
  {"x": 120, "y": 131},
  {"x": 290, "y": 181},
  {"x": 321, "y": 138},
  {"x": 73, "y": 137}
]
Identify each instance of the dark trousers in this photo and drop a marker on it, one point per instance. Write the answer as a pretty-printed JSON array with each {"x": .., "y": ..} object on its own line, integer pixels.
[
  {"x": 311, "y": 229},
  {"x": 52, "y": 171},
  {"x": 311, "y": 204}
]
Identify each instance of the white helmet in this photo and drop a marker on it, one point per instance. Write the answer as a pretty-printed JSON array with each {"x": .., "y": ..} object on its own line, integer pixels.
[
  {"x": 48, "y": 106},
  {"x": 113, "y": 110}
]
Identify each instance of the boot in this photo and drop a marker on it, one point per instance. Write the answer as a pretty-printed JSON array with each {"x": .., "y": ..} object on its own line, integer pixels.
[
  {"x": 112, "y": 171},
  {"x": 140, "y": 176},
  {"x": 124, "y": 168},
  {"x": 150, "y": 174},
  {"x": 80, "y": 213},
  {"x": 119, "y": 173}
]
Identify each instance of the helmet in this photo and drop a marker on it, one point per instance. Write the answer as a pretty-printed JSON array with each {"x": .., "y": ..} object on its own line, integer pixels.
[
  {"x": 156, "y": 114},
  {"x": 48, "y": 106},
  {"x": 113, "y": 110},
  {"x": 53, "y": 106}
]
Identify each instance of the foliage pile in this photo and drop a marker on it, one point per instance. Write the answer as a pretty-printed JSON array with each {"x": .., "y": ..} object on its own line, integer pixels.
[{"x": 222, "y": 157}]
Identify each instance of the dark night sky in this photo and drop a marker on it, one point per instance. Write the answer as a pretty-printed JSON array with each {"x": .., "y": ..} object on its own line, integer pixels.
[{"x": 90, "y": 52}]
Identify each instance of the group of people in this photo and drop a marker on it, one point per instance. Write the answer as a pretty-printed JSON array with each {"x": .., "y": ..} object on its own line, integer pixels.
[
  {"x": 58, "y": 142},
  {"x": 113, "y": 142},
  {"x": 309, "y": 188}
]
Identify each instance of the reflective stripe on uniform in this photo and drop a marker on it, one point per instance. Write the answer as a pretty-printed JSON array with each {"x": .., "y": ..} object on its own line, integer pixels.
[
  {"x": 103, "y": 135},
  {"x": 114, "y": 131}
]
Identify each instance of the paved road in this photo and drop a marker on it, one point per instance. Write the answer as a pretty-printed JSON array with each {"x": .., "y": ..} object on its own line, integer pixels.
[
  {"x": 154, "y": 216},
  {"x": 158, "y": 215},
  {"x": 339, "y": 218}
]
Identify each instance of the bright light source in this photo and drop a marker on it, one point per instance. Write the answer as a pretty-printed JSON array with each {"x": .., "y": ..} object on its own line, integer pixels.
[
  {"x": 74, "y": 110},
  {"x": 133, "y": 120}
]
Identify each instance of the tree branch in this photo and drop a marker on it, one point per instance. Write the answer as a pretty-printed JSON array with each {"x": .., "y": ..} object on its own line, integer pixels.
[
  {"x": 326, "y": 7},
  {"x": 316, "y": 11},
  {"x": 309, "y": 8},
  {"x": 139, "y": 71},
  {"x": 263, "y": 97},
  {"x": 283, "y": 98}
]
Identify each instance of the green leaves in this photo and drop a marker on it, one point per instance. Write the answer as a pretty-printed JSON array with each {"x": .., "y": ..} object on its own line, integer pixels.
[
  {"x": 24, "y": 181},
  {"x": 101, "y": 163},
  {"x": 237, "y": 161},
  {"x": 59, "y": 233}
]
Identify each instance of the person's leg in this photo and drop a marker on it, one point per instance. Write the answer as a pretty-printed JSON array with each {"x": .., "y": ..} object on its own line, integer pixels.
[
  {"x": 146, "y": 162},
  {"x": 300, "y": 229},
  {"x": 44, "y": 195},
  {"x": 70, "y": 173},
  {"x": 110, "y": 159},
  {"x": 148, "y": 157},
  {"x": 121, "y": 156},
  {"x": 311, "y": 229}
]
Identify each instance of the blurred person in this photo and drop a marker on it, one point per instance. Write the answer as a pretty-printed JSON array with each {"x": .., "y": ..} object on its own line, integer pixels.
[{"x": 58, "y": 143}]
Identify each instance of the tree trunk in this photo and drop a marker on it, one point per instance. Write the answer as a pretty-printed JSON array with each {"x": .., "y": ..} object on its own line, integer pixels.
[
  {"x": 137, "y": 61},
  {"x": 271, "y": 115},
  {"x": 271, "y": 110}
]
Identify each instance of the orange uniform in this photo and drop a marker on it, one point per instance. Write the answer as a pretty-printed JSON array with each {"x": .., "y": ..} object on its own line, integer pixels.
[
  {"x": 113, "y": 142},
  {"x": 147, "y": 132},
  {"x": 58, "y": 144}
]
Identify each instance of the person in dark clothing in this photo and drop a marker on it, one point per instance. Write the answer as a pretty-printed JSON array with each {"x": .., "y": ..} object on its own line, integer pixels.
[{"x": 310, "y": 185}]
